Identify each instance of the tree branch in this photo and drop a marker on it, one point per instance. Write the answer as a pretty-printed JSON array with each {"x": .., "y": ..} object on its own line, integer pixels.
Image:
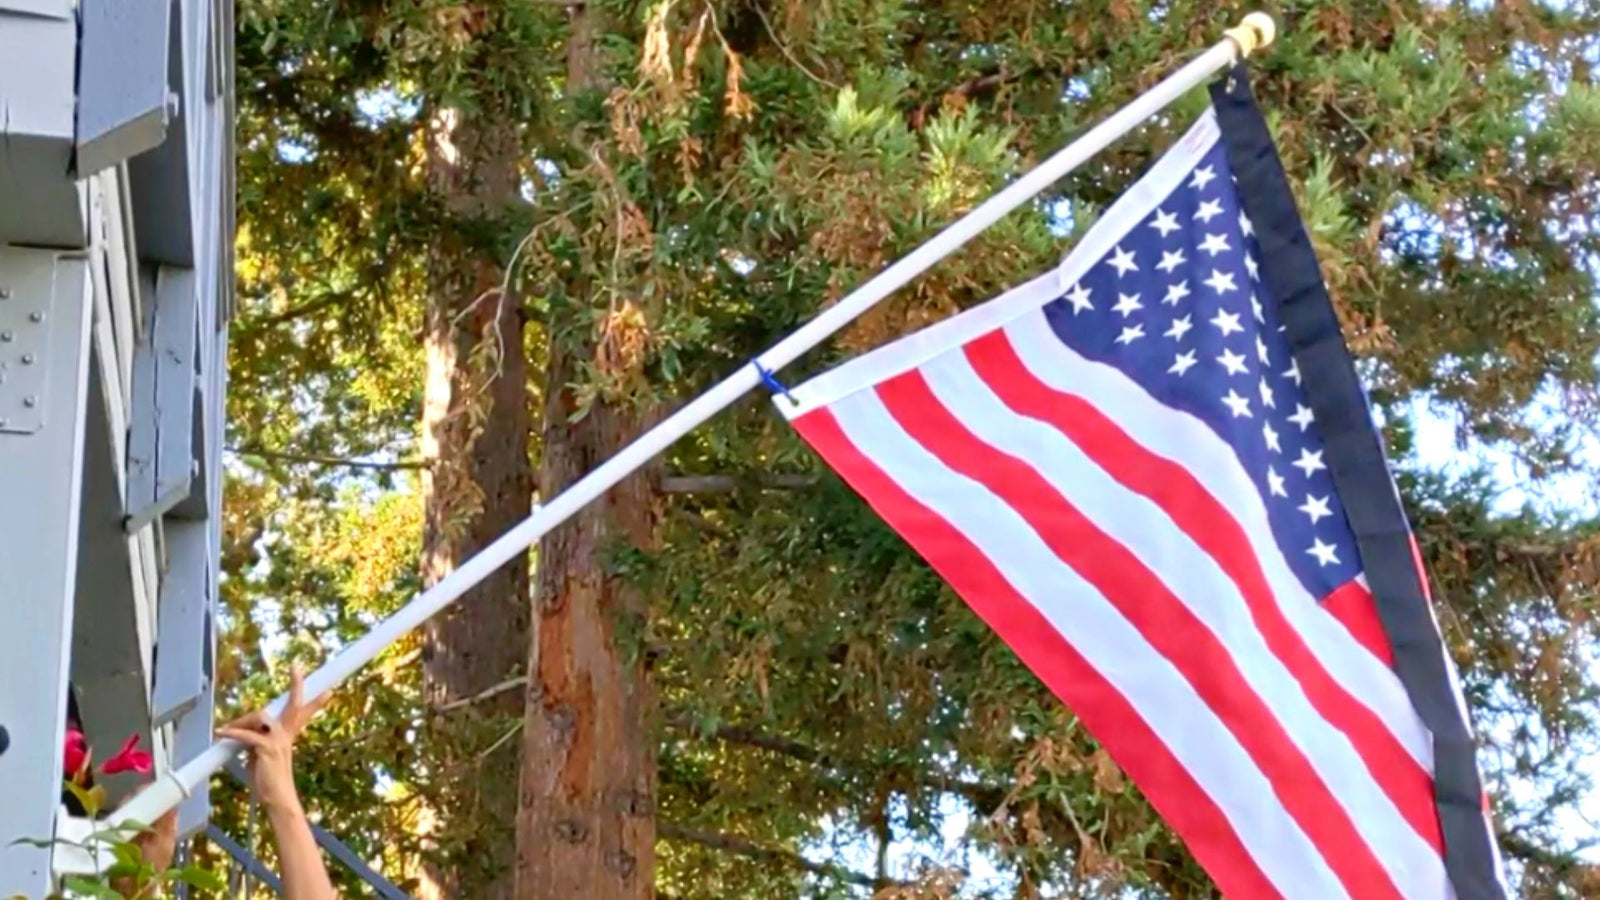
[
  {"x": 985, "y": 797},
  {"x": 883, "y": 831},
  {"x": 670, "y": 484},
  {"x": 725, "y": 484},
  {"x": 750, "y": 737},
  {"x": 744, "y": 847},
  {"x": 272, "y": 320},
  {"x": 313, "y": 459},
  {"x": 966, "y": 90},
  {"x": 488, "y": 693},
  {"x": 702, "y": 523}
]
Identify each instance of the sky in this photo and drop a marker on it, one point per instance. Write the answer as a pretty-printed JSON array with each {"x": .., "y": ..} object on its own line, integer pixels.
[{"x": 1438, "y": 450}]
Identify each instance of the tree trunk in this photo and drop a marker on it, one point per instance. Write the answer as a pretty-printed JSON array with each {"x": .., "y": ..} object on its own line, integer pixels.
[
  {"x": 479, "y": 484},
  {"x": 586, "y": 826}
]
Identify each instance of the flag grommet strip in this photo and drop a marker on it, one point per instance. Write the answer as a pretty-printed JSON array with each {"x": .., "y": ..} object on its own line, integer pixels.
[
  {"x": 1360, "y": 472},
  {"x": 773, "y": 384}
]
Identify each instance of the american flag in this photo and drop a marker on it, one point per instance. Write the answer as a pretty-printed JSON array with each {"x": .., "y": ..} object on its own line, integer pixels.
[{"x": 1118, "y": 466}]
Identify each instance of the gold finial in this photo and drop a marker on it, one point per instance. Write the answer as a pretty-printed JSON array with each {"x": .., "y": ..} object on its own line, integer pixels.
[{"x": 1253, "y": 33}]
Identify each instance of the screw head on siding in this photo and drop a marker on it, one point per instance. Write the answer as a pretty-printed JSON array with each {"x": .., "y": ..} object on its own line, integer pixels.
[
  {"x": 30, "y": 402},
  {"x": 36, "y": 317},
  {"x": 6, "y": 336},
  {"x": 5, "y": 293},
  {"x": 5, "y": 740},
  {"x": 27, "y": 359}
]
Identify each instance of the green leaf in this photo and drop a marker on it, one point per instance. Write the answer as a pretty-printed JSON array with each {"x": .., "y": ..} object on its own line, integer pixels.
[
  {"x": 92, "y": 799},
  {"x": 134, "y": 869},
  {"x": 78, "y": 884},
  {"x": 198, "y": 877},
  {"x": 127, "y": 853}
]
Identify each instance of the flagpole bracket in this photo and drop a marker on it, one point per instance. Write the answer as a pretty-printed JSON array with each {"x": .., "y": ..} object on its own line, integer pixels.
[
  {"x": 1255, "y": 32},
  {"x": 772, "y": 382}
]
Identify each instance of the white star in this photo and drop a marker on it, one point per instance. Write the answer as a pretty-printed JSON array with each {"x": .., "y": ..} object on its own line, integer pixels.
[
  {"x": 1182, "y": 363},
  {"x": 1079, "y": 298},
  {"x": 1256, "y": 310},
  {"x": 1232, "y": 361},
  {"x": 1180, "y": 327},
  {"x": 1245, "y": 224},
  {"x": 1261, "y": 350},
  {"x": 1170, "y": 260},
  {"x": 1316, "y": 508},
  {"x": 1209, "y": 210},
  {"x": 1266, "y": 395},
  {"x": 1251, "y": 267},
  {"x": 1221, "y": 282},
  {"x": 1275, "y": 483},
  {"x": 1226, "y": 322},
  {"x": 1302, "y": 416},
  {"x": 1176, "y": 292},
  {"x": 1127, "y": 303},
  {"x": 1271, "y": 437},
  {"x": 1123, "y": 262},
  {"x": 1202, "y": 177},
  {"x": 1214, "y": 243},
  {"x": 1309, "y": 462},
  {"x": 1165, "y": 222},
  {"x": 1293, "y": 372},
  {"x": 1129, "y": 335},
  {"x": 1239, "y": 405},
  {"x": 1324, "y": 553}
]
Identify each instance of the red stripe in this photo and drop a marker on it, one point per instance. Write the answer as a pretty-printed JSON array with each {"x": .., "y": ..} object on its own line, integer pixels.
[
  {"x": 1213, "y": 527},
  {"x": 1354, "y": 607},
  {"x": 1422, "y": 571},
  {"x": 1170, "y": 626},
  {"x": 1108, "y": 715}
]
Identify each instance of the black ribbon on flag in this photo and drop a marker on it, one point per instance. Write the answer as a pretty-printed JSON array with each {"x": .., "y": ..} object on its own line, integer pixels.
[{"x": 1361, "y": 475}]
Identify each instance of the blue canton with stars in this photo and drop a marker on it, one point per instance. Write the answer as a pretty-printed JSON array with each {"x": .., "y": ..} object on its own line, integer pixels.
[{"x": 1179, "y": 306}]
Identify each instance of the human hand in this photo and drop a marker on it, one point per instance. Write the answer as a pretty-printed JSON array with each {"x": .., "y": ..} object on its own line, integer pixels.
[
  {"x": 156, "y": 845},
  {"x": 159, "y": 843},
  {"x": 271, "y": 745}
]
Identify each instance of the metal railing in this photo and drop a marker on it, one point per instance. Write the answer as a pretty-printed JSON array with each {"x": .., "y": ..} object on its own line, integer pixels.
[{"x": 339, "y": 850}]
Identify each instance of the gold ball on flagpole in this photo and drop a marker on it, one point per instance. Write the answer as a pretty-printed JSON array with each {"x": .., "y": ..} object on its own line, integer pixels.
[
  {"x": 1266, "y": 30},
  {"x": 1255, "y": 31}
]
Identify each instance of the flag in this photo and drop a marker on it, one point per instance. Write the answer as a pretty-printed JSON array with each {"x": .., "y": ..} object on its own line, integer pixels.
[{"x": 1153, "y": 472}]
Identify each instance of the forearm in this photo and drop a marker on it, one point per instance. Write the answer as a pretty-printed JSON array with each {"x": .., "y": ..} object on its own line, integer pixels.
[{"x": 299, "y": 858}]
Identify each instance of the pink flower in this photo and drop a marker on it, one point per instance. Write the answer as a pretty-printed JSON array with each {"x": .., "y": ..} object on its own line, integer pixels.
[
  {"x": 129, "y": 759},
  {"x": 75, "y": 755}
]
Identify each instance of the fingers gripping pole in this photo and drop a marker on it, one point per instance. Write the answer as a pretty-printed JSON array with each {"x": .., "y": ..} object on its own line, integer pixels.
[{"x": 1256, "y": 31}]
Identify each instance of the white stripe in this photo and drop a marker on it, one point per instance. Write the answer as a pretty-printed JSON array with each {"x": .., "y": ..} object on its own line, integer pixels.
[
  {"x": 1164, "y": 699},
  {"x": 1187, "y": 441},
  {"x": 1200, "y": 584}
]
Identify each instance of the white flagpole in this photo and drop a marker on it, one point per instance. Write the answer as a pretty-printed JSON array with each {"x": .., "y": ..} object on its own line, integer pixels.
[{"x": 1256, "y": 30}]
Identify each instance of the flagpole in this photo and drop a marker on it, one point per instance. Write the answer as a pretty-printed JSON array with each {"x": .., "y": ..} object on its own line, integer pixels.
[{"x": 1257, "y": 30}]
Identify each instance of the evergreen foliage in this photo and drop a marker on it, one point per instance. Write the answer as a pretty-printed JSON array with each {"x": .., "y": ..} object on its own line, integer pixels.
[{"x": 745, "y": 163}]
